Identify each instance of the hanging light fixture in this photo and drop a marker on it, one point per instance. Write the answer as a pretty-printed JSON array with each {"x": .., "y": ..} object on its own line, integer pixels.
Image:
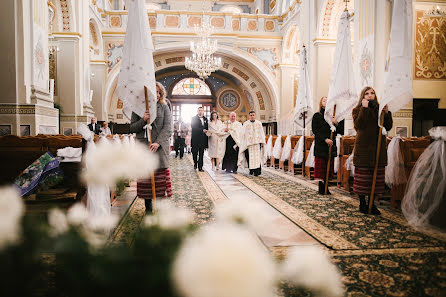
[{"x": 202, "y": 60}]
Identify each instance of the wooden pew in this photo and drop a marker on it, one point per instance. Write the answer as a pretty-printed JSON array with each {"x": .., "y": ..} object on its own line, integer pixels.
[
  {"x": 17, "y": 153},
  {"x": 347, "y": 144},
  {"x": 294, "y": 168},
  {"x": 268, "y": 161},
  {"x": 280, "y": 164},
  {"x": 271, "y": 159},
  {"x": 308, "y": 170},
  {"x": 411, "y": 149}
]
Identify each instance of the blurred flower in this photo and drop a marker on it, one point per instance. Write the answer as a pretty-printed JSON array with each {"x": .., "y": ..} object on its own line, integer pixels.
[
  {"x": 110, "y": 161},
  {"x": 224, "y": 260},
  {"x": 103, "y": 223},
  {"x": 11, "y": 211},
  {"x": 77, "y": 214},
  {"x": 168, "y": 216},
  {"x": 57, "y": 221},
  {"x": 253, "y": 214},
  {"x": 311, "y": 268}
]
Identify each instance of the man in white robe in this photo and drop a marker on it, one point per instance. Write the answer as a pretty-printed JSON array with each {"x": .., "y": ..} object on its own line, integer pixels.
[
  {"x": 253, "y": 154},
  {"x": 233, "y": 131}
]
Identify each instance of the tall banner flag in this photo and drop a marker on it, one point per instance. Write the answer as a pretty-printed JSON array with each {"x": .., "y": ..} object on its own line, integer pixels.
[
  {"x": 303, "y": 112},
  {"x": 137, "y": 69},
  {"x": 398, "y": 89},
  {"x": 342, "y": 91}
]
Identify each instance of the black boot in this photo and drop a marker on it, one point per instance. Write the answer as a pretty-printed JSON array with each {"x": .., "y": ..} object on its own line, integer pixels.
[
  {"x": 321, "y": 188},
  {"x": 375, "y": 210},
  {"x": 148, "y": 203},
  {"x": 362, "y": 204}
]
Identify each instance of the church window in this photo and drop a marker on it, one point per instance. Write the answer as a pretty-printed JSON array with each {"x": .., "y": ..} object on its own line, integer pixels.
[{"x": 191, "y": 86}]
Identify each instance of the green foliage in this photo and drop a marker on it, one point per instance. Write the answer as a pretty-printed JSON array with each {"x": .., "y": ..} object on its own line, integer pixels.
[
  {"x": 67, "y": 265},
  {"x": 120, "y": 186}
]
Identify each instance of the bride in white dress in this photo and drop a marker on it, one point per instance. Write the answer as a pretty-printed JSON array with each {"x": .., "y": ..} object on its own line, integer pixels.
[{"x": 216, "y": 144}]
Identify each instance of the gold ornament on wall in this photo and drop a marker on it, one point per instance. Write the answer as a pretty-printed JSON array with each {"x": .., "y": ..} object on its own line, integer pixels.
[{"x": 430, "y": 46}]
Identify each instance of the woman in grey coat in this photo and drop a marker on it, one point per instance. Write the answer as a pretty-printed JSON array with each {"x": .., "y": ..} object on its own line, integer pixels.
[{"x": 161, "y": 132}]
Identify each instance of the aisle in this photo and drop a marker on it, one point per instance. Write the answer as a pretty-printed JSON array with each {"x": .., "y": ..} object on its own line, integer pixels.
[{"x": 281, "y": 231}]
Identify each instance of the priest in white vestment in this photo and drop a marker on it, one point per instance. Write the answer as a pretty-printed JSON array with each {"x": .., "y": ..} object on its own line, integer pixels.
[
  {"x": 252, "y": 153},
  {"x": 233, "y": 132}
]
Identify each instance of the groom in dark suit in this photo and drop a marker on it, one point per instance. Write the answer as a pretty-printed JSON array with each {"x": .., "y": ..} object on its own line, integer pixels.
[
  {"x": 199, "y": 141},
  {"x": 94, "y": 126}
]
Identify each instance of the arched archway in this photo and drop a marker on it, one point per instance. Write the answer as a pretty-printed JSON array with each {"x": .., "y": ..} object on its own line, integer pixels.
[
  {"x": 257, "y": 82},
  {"x": 329, "y": 17}
]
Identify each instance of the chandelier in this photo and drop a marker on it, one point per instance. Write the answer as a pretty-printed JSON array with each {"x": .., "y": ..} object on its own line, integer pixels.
[
  {"x": 436, "y": 12},
  {"x": 202, "y": 60}
]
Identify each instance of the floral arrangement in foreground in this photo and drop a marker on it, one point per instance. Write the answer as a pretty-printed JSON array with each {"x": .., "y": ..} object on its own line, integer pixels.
[{"x": 69, "y": 253}]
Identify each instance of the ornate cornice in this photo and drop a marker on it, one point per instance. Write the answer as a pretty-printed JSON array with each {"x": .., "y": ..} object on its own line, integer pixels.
[
  {"x": 28, "y": 109},
  {"x": 403, "y": 114}
]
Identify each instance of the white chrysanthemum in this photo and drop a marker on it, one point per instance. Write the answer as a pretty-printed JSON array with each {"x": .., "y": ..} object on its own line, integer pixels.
[
  {"x": 311, "y": 268},
  {"x": 11, "y": 211},
  {"x": 57, "y": 221},
  {"x": 103, "y": 223},
  {"x": 254, "y": 214},
  {"x": 224, "y": 260},
  {"x": 77, "y": 214},
  {"x": 168, "y": 216},
  {"x": 113, "y": 161}
]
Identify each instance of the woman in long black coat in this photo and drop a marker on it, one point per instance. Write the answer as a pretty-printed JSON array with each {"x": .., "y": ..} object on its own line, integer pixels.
[{"x": 322, "y": 143}]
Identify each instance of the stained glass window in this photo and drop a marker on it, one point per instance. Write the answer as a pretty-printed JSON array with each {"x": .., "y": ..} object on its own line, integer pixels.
[{"x": 191, "y": 86}]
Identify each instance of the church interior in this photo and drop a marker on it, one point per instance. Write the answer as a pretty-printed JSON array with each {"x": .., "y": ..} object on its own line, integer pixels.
[{"x": 61, "y": 78}]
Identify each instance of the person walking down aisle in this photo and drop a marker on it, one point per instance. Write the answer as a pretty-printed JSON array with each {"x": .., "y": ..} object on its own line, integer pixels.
[
  {"x": 365, "y": 120},
  {"x": 234, "y": 134},
  {"x": 322, "y": 143},
  {"x": 179, "y": 136},
  {"x": 216, "y": 149},
  {"x": 199, "y": 139},
  {"x": 253, "y": 145},
  {"x": 188, "y": 138},
  {"x": 161, "y": 131}
]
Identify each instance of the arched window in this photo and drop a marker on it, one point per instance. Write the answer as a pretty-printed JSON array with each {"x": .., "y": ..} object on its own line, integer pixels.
[{"x": 191, "y": 86}]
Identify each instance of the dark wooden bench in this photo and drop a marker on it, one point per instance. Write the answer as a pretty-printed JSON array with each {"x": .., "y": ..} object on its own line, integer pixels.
[
  {"x": 308, "y": 171},
  {"x": 411, "y": 149}
]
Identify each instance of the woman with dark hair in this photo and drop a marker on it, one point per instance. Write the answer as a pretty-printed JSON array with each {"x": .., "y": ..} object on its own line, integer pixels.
[
  {"x": 365, "y": 120},
  {"x": 322, "y": 144},
  {"x": 216, "y": 144},
  {"x": 161, "y": 132}
]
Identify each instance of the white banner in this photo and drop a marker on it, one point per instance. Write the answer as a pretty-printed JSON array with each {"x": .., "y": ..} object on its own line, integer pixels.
[
  {"x": 398, "y": 90},
  {"x": 304, "y": 100},
  {"x": 137, "y": 69},
  {"x": 343, "y": 89}
]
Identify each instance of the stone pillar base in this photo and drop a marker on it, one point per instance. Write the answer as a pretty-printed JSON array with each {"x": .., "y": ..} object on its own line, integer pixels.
[
  {"x": 70, "y": 122},
  {"x": 28, "y": 119}
]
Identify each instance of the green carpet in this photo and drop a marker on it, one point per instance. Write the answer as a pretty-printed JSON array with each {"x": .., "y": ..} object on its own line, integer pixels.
[
  {"x": 342, "y": 219},
  {"x": 385, "y": 256},
  {"x": 188, "y": 192}
]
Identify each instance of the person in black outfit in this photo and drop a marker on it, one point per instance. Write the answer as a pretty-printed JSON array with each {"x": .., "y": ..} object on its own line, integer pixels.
[
  {"x": 199, "y": 141},
  {"x": 179, "y": 136},
  {"x": 95, "y": 127},
  {"x": 322, "y": 143}
]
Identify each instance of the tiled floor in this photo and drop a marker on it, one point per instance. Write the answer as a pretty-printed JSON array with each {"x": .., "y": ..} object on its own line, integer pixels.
[{"x": 281, "y": 231}]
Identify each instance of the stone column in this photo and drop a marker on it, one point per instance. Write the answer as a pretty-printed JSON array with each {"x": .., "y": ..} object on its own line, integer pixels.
[{"x": 26, "y": 107}]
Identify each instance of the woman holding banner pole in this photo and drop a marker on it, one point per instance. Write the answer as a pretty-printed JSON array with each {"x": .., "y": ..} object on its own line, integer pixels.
[
  {"x": 322, "y": 143},
  {"x": 365, "y": 120},
  {"x": 160, "y": 133}
]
